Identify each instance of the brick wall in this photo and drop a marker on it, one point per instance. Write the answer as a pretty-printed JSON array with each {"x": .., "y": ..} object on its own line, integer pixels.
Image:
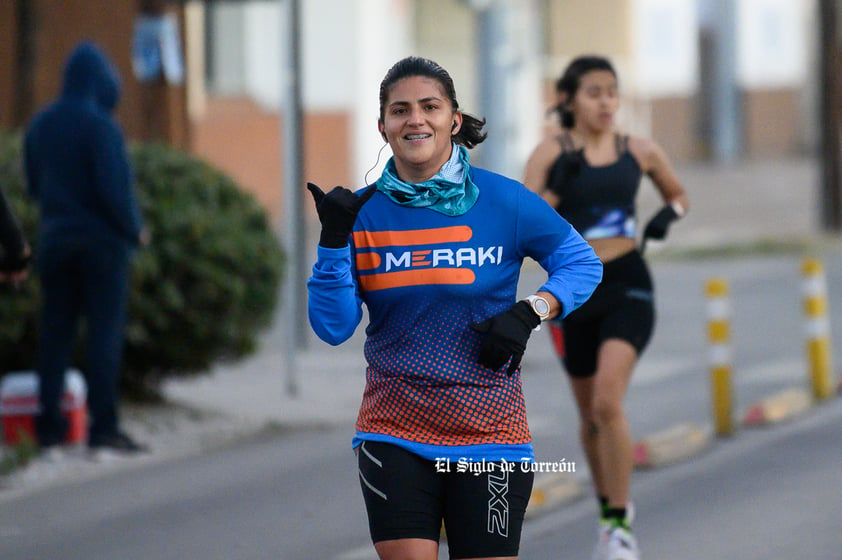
[
  {"x": 238, "y": 137},
  {"x": 674, "y": 127},
  {"x": 58, "y": 26},
  {"x": 8, "y": 63}
]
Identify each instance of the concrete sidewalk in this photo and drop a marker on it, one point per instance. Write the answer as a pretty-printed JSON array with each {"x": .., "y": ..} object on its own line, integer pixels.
[
  {"x": 775, "y": 200},
  {"x": 329, "y": 382}
]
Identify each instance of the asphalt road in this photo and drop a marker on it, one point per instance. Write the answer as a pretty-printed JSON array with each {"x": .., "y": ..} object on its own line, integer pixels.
[
  {"x": 770, "y": 494},
  {"x": 763, "y": 493}
]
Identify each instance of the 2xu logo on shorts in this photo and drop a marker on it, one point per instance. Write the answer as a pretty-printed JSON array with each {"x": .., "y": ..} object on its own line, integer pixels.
[{"x": 498, "y": 504}]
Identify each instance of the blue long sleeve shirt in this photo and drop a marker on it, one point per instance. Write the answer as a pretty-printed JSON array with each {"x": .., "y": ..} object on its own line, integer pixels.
[{"x": 424, "y": 278}]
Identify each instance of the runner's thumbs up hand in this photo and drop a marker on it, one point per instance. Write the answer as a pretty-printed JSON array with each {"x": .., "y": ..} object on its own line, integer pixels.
[{"x": 337, "y": 211}]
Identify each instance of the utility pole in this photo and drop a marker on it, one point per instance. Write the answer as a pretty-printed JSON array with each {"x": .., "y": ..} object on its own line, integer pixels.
[
  {"x": 294, "y": 292},
  {"x": 493, "y": 49},
  {"x": 726, "y": 100},
  {"x": 831, "y": 188}
]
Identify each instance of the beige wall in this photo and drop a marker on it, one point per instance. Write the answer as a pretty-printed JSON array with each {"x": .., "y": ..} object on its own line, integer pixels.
[
  {"x": 771, "y": 123},
  {"x": 674, "y": 127},
  {"x": 450, "y": 40},
  {"x": 588, "y": 26}
]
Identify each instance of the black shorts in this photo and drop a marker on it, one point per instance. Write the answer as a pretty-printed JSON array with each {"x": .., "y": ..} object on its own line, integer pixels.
[
  {"x": 407, "y": 496},
  {"x": 622, "y": 307}
]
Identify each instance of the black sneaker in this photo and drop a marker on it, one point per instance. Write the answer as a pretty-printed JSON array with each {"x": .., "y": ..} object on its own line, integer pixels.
[{"x": 118, "y": 441}]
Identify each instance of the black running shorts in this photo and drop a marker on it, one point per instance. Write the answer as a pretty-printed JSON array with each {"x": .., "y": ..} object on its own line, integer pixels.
[
  {"x": 622, "y": 307},
  {"x": 407, "y": 496}
]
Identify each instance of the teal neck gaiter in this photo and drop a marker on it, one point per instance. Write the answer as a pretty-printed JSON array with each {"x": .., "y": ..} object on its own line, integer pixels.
[{"x": 450, "y": 192}]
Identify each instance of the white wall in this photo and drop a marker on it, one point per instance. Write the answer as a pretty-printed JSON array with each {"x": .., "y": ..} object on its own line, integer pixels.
[
  {"x": 252, "y": 49},
  {"x": 228, "y": 52},
  {"x": 385, "y": 36},
  {"x": 526, "y": 113},
  {"x": 248, "y": 51},
  {"x": 665, "y": 54},
  {"x": 773, "y": 42},
  {"x": 263, "y": 53},
  {"x": 328, "y": 58}
]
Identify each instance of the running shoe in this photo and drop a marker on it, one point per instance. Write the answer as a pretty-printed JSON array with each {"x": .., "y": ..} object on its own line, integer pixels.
[
  {"x": 622, "y": 545},
  {"x": 604, "y": 534},
  {"x": 600, "y": 551}
]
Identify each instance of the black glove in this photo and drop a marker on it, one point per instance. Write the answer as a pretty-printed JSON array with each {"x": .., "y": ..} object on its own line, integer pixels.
[
  {"x": 660, "y": 223},
  {"x": 505, "y": 336},
  {"x": 337, "y": 211},
  {"x": 10, "y": 265}
]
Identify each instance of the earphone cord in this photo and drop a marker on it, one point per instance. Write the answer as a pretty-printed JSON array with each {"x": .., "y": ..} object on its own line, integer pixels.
[{"x": 373, "y": 167}]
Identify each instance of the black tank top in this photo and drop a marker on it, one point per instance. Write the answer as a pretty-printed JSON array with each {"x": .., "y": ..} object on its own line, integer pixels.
[{"x": 597, "y": 201}]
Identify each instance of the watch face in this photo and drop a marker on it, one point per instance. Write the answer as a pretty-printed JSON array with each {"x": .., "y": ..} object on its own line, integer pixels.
[{"x": 541, "y": 306}]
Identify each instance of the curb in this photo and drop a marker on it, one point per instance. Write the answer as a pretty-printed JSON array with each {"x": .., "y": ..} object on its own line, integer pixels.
[
  {"x": 551, "y": 491},
  {"x": 779, "y": 407},
  {"x": 671, "y": 446}
]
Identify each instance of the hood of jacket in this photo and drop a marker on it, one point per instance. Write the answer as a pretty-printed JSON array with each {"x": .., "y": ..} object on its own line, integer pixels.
[{"x": 89, "y": 74}]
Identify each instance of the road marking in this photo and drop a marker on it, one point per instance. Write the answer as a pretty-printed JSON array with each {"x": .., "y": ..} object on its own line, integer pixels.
[
  {"x": 10, "y": 531},
  {"x": 792, "y": 369},
  {"x": 653, "y": 371}
]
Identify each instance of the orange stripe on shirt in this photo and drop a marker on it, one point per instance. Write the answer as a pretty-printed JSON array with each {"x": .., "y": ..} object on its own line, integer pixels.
[
  {"x": 404, "y": 278},
  {"x": 368, "y": 261},
  {"x": 370, "y": 239}
]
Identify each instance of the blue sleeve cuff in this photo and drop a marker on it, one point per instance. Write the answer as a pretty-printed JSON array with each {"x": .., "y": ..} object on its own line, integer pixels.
[
  {"x": 334, "y": 306},
  {"x": 574, "y": 272}
]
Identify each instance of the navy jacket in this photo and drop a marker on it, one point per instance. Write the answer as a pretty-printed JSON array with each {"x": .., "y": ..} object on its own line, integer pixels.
[{"x": 75, "y": 158}]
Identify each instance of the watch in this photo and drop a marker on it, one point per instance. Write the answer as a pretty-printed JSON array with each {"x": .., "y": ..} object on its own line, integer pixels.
[{"x": 540, "y": 306}]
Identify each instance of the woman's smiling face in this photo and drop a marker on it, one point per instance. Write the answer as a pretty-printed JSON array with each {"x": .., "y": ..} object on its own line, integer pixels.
[{"x": 418, "y": 123}]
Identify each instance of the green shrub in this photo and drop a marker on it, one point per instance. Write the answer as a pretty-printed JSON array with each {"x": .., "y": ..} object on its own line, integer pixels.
[
  {"x": 19, "y": 305},
  {"x": 201, "y": 291}
]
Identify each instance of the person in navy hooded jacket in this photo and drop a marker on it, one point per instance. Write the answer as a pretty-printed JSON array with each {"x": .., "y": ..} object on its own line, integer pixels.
[{"x": 77, "y": 167}]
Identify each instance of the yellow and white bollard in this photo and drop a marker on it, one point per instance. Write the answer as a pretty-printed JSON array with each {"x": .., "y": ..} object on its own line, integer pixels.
[
  {"x": 719, "y": 354},
  {"x": 817, "y": 328}
]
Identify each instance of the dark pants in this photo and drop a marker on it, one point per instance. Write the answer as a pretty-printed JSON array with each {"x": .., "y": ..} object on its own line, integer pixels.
[
  {"x": 407, "y": 496},
  {"x": 90, "y": 279}
]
